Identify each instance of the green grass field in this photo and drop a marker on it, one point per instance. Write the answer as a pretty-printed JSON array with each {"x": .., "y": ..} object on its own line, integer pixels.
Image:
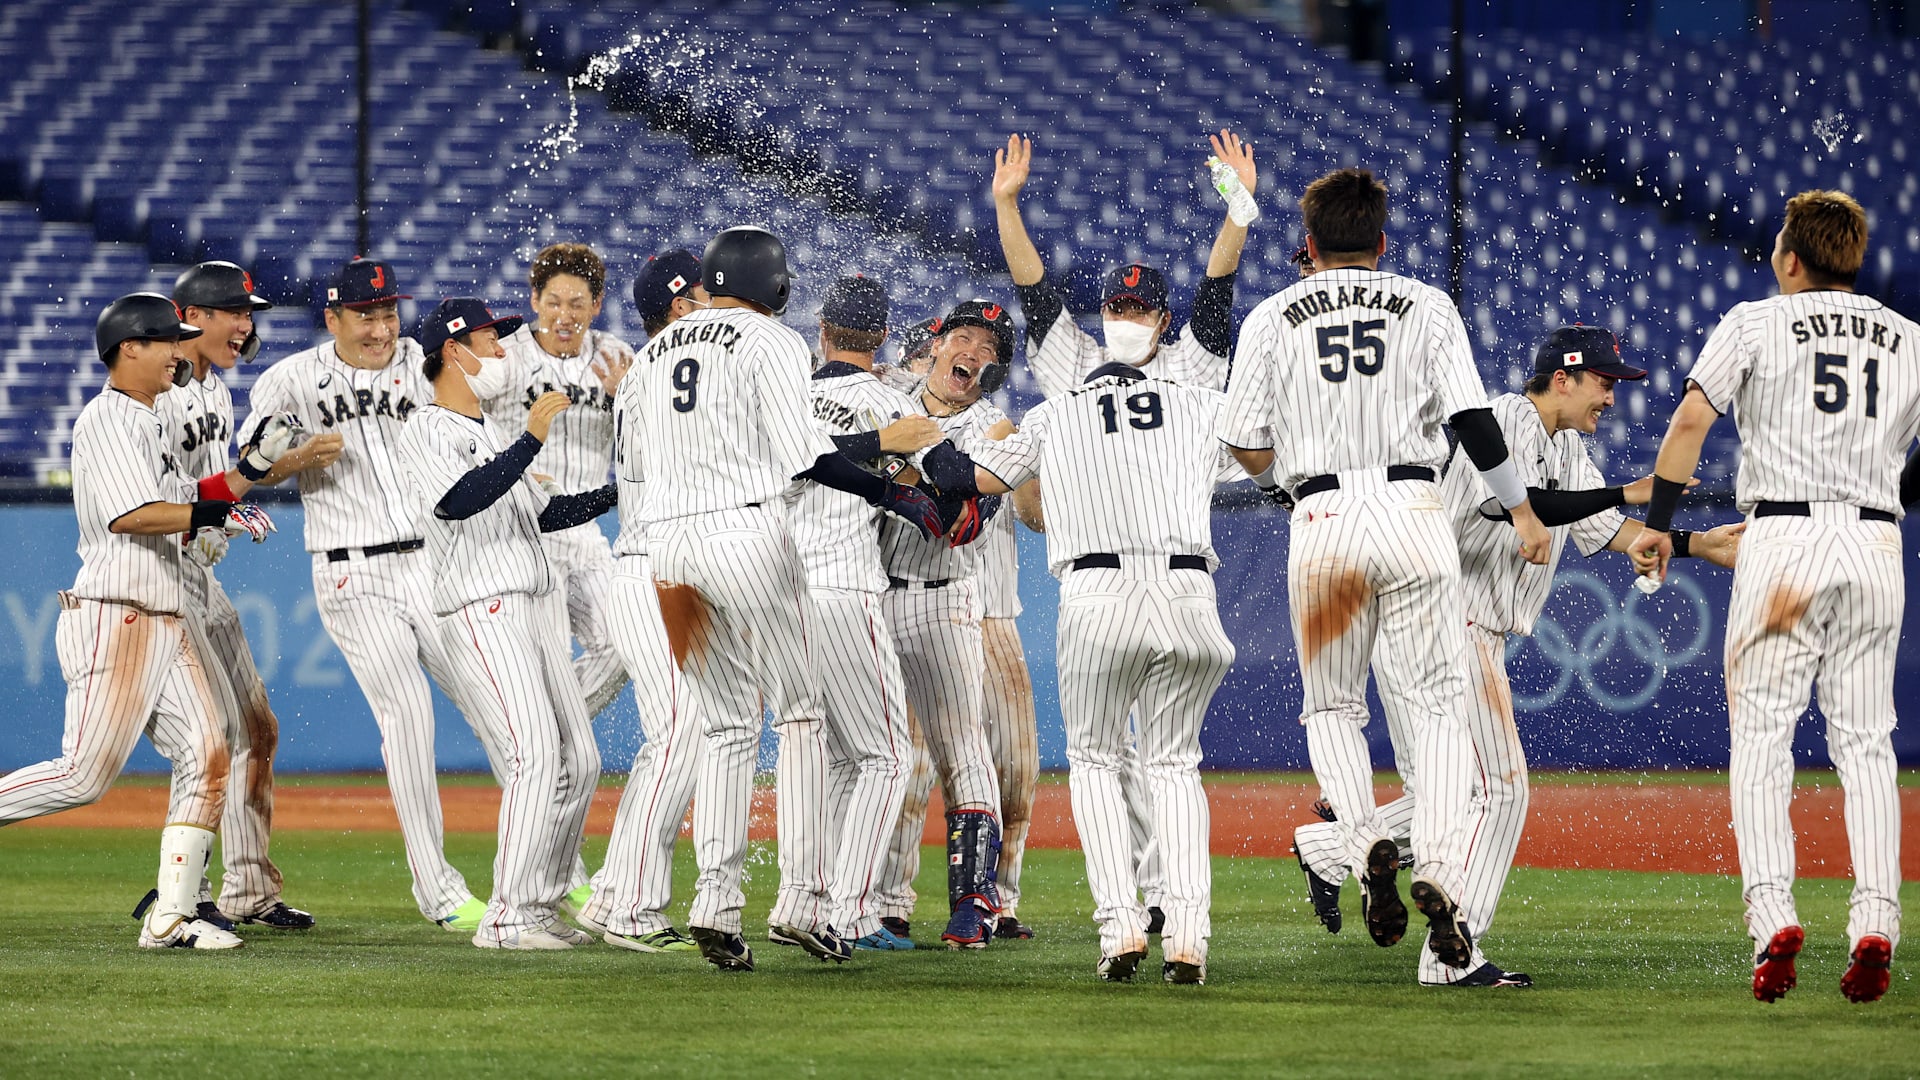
[{"x": 1638, "y": 974}]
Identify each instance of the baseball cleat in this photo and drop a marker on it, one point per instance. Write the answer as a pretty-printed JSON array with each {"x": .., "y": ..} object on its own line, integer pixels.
[
  {"x": 1489, "y": 975},
  {"x": 898, "y": 927},
  {"x": 209, "y": 912},
  {"x": 590, "y": 925},
  {"x": 571, "y": 935},
  {"x": 1119, "y": 968},
  {"x": 465, "y": 918},
  {"x": 280, "y": 917},
  {"x": 822, "y": 944},
  {"x": 1181, "y": 973},
  {"x": 576, "y": 900},
  {"x": 967, "y": 929},
  {"x": 521, "y": 939},
  {"x": 1773, "y": 973},
  {"x": 1447, "y": 933},
  {"x": 1323, "y": 809},
  {"x": 728, "y": 952},
  {"x": 1012, "y": 929},
  {"x": 659, "y": 941},
  {"x": 1156, "y": 920},
  {"x": 1380, "y": 905},
  {"x": 1870, "y": 970},
  {"x": 883, "y": 940},
  {"x": 185, "y": 933},
  {"x": 1324, "y": 895}
]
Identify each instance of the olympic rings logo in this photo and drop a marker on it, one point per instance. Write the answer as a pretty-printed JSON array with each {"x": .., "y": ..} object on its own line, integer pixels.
[{"x": 1620, "y": 632}]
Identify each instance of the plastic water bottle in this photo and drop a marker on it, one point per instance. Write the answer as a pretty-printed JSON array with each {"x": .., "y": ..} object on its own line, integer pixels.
[
  {"x": 1240, "y": 205},
  {"x": 1647, "y": 584}
]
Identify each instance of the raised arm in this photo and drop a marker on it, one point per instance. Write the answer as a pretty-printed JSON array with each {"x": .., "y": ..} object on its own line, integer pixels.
[
  {"x": 1224, "y": 259},
  {"x": 1010, "y": 168}
]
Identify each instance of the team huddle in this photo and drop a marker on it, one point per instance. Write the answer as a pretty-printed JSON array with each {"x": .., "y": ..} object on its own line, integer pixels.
[{"x": 820, "y": 534}]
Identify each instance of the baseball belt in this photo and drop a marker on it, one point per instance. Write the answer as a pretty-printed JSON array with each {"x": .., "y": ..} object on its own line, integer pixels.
[
  {"x": 1800, "y": 509},
  {"x": 398, "y": 546},
  {"x": 1314, "y": 485},
  {"x": 1106, "y": 560}
]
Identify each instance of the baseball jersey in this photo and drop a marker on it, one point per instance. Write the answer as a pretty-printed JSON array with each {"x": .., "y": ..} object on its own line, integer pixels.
[
  {"x": 1350, "y": 369},
  {"x": 495, "y": 551},
  {"x": 198, "y": 420},
  {"x": 1821, "y": 386},
  {"x": 998, "y": 571},
  {"x": 580, "y": 442},
  {"x": 1129, "y": 466},
  {"x": 628, "y": 475},
  {"x": 1503, "y": 591},
  {"x": 723, "y": 414},
  {"x": 904, "y": 549},
  {"x": 122, "y": 461},
  {"x": 837, "y": 533},
  {"x": 361, "y": 499},
  {"x": 1061, "y": 354}
]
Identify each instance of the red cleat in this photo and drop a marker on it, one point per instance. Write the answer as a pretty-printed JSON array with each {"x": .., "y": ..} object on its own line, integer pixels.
[
  {"x": 1773, "y": 973},
  {"x": 1867, "y": 976}
]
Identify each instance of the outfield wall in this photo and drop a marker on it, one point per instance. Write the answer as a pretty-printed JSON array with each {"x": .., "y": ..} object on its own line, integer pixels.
[{"x": 1611, "y": 680}]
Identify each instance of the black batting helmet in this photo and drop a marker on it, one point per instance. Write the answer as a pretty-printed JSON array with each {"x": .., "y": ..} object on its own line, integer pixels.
[
  {"x": 220, "y": 286},
  {"x": 141, "y": 316},
  {"x": 748, "y": 263}
]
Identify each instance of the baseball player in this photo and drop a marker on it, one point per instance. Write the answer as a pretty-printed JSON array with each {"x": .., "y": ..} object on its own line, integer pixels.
[
  {"x": 726, "y": 431},
  {"x": 370, "y": 582},
  {"x": 501, "y": 617},
  {"x": 1138, "y": 627},
  {"x": 130, "y": 661},
  {"x": 631, "y": 891},
  {"x": 563, "y": 352},
  {"x": 1575, "y": 370},
  {"x": 869, "y": 743},
  {"x": 218, "y": 298},
  {"x": 1828, "y": 403},
  {"x": 933, "y": 605},
  {"x": 1342, "y": 382}
]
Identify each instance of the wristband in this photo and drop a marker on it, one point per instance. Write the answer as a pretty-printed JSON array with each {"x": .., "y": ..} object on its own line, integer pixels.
[
  {"x": 1264, "y": 479},
  {"x": 253, "y": 466},
  {"x": 1682, "y": 543},
  {"x": 1504, "y": 481},
  {"x": 208, "y": 513},
  {"x": 215, "y": 487},
  {"x": 1664, "y": 501}
]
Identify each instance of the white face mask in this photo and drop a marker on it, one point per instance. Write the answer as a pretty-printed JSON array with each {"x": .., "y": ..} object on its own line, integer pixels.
[
  {"x": 1130, "y": 342},
  {"x": 491, "y": 382}
]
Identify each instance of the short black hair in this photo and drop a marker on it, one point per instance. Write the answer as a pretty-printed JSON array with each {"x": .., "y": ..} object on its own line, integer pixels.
[
  {"x": 1542, "y": 381},
  {"x": 435, "y": 363},
  {"x": 1345, "y": 212}
]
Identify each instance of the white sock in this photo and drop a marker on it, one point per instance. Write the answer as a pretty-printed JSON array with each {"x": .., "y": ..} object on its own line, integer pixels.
[{"x": 184, "y": 853}]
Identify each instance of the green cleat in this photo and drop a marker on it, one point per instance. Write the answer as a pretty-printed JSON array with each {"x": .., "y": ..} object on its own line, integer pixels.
[
  {"x": 465, "y": 919},
  {"x": 576, "y": 900}
]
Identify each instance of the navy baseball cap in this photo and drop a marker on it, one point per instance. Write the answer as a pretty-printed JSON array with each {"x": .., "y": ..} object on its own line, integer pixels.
[
  {"x": 979, "y": 313},
  {"x": 856, "y": 303},
  {"x": 915, "y": 340},
  {"x": 1141, "y": 284},
  {"x": 667, "y": 277},
  {"x": 1584, "y": 348},
  {"x": 218, "y": 286},
  {"x": 363, "y": 283},
  {"x": 461, "y": 315}
]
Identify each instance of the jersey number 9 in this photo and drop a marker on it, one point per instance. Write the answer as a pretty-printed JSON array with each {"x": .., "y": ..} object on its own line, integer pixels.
[
  {"x": 1366, "y": 354},
  {"x": 686, "y": 379}
]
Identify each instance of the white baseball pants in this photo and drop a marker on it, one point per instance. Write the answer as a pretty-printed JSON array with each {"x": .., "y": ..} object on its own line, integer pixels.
[
  {"x": 584, "y": 561},
  {"x": 1014, "y": 740},
  {"x": 252, "y": 882}
]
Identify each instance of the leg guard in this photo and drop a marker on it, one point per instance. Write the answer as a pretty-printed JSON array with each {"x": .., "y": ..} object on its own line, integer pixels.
[{"x": 973, "y": 859}]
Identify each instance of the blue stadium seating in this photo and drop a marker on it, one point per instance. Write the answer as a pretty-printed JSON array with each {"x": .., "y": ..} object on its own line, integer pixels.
[{"x": 862, "y": 132}]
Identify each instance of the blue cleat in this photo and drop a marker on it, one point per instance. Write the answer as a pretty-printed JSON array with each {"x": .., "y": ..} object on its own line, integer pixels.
[{"x": 884, "y": 940}]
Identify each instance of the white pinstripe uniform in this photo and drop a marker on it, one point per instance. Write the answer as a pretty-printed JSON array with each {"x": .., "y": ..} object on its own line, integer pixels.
[
  {"x": 1504, "y": 594},
  {"x": 576, "y": 454},
  {"x": 870, "y": 744},
  {"x": 501, "y": 622},
  {"x": 130, "y": 663},
  {"x": 1827, "y": 401},
  {"x": 1007, "y": 701},
  {"x": 937, "y": 634},
  {"x": 1129, "y": 467},
  {"x": 725, "y": 427},
  {"x": 198, "y": 419},
  {"x": 633, "y": 887},
  {"x": 1346, "y": 374},
  {"x": 375, "y": 606},
  {"x": 1066, "y": 354}
]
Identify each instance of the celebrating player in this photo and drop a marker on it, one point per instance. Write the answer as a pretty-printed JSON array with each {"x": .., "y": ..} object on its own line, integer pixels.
[
  {"x": 725, "y": 432},
  {"x": 218, "y": 298},
  {"x": 132, "y": 663},
  {"x": 563, "y": 352},
  {"x": 1138, "y": 627},
  {"x": 1575, "y": 370},
  {"x": 369, "y": 580},
  {"x": 501, "y": 618},
  {"x": 632, "y": 889},
  {"x": 1827, "y": 404},
  {"x": 1341, "y": 383}
]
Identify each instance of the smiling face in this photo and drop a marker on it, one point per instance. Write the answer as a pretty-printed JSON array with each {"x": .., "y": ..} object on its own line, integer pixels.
[
  {"x": 566, "y": 307},
  {"x": 1586, "y": 397},
  {"x": 365, "y": 336},
  {"x": 145, "y": 368},
  {"x": 958, "y": 355},
  {"x": 226, "y": 334}
]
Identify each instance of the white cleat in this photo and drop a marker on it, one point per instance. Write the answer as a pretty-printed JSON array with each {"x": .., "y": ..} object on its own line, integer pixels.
[
  {"x": 569, "y": 934},
  {"x": 189, "y": 934},
  {"x": 530, "y": 939}
]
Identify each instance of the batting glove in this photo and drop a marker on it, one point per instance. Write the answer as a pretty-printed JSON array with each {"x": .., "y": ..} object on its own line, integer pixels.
[
  {"x": 912, "y": 504},
  {"x": 1278, "y": 496},
  {"x": 206, "y": 546},
  {"x": 277, "y": 436},
  {"x": 250, "y": 519}
]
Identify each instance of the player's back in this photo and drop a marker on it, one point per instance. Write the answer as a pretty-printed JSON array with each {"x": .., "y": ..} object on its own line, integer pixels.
[
  {"x": 837, "y": 533},
  {"x": 1353, "y": 369},
  {"x": 723, "y": 413},
  {"x": 1825, "y": 390}
]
